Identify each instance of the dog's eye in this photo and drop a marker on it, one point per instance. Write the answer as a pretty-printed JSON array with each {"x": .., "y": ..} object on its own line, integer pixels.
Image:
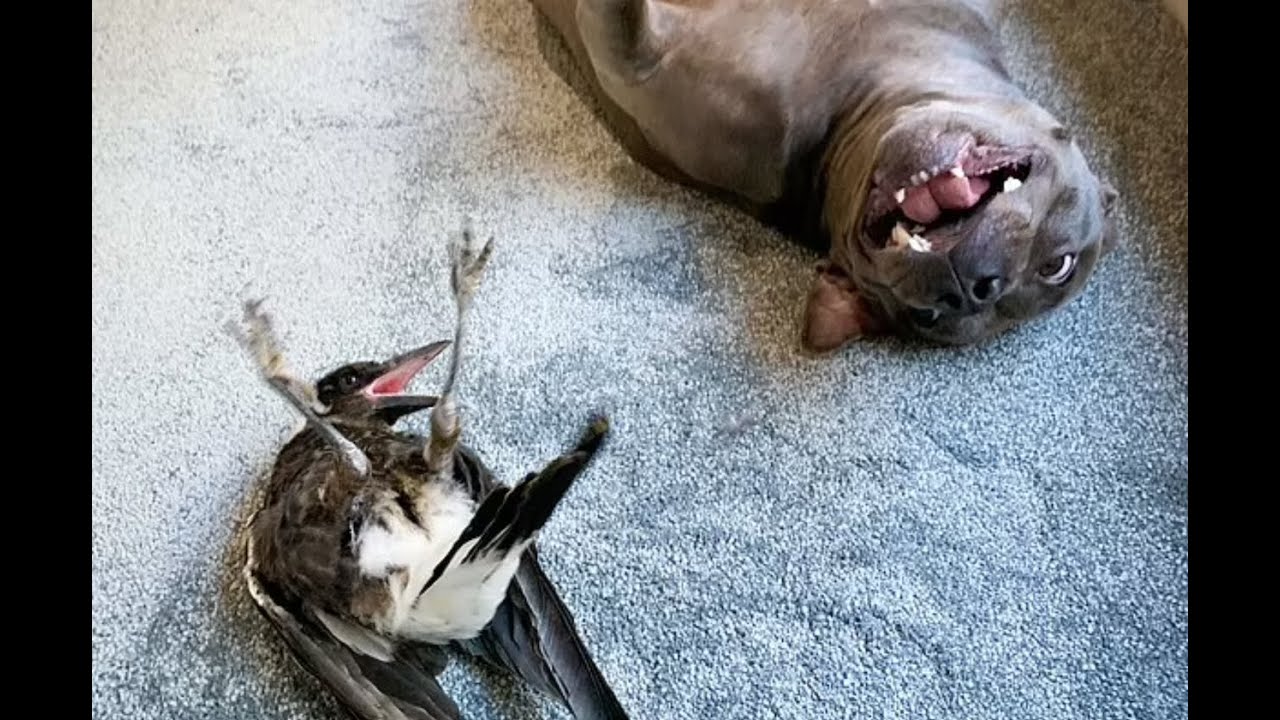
[
  {"x": 924, "y": 317},
  {"x": 1059, "y": 269}
]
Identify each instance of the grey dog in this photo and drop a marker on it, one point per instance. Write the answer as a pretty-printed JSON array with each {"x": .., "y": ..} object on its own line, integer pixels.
[{"x": 887, "y": 133}]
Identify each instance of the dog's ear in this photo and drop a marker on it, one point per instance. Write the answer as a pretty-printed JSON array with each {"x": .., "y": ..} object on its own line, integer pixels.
[
  {"x": 835, "y": 314},
  {"x": 1109, "y": 197}
]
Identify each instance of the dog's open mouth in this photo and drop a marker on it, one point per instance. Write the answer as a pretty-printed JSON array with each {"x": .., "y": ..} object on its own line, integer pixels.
[{"x": 918, "y": 213}]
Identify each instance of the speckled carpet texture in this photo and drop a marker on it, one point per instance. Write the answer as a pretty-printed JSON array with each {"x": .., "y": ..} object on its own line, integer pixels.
[{"x": 893, "y": 532}]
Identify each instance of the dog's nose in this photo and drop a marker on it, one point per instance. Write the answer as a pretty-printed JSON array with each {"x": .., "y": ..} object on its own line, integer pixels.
[
  {"x": 987, "y": 289},
  {"x": 983, "y": 264}
]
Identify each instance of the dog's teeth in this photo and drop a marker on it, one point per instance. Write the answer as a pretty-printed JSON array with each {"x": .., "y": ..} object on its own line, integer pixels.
[
  {"x": 917, "y": 229},
  {"x": 919, "y": 244},
  {"x": 957, "y": 171},
  {"x": 900, "y": 195},
  {"x": 900, "y": 238},
  {"x": 1011, "y": 184},
  {"x": 922, "y": 176}
]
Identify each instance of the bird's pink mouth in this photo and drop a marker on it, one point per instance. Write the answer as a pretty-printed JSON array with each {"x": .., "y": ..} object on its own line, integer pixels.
[
  {"x": 395, "y": 382},
  {"x": 403, "y": 370}
]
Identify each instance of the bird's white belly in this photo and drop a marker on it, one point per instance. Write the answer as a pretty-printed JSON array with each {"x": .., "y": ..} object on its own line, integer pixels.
[{"x": 464, "y": 598}]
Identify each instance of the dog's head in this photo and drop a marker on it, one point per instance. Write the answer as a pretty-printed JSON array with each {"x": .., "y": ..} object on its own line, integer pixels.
[{"x": 958, "y": 221}]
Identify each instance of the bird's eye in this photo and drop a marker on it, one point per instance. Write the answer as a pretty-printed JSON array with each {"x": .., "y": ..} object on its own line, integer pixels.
[{"x": 1059, "y": 270}]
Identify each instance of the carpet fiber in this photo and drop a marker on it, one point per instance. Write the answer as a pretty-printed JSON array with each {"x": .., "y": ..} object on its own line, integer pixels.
[{"x": 893, "y": 532}]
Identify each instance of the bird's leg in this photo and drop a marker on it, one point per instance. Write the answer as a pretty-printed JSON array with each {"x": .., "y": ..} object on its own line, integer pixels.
[
  {"x": 467, "y": 265},
  {"x": 258, "y": 338}
]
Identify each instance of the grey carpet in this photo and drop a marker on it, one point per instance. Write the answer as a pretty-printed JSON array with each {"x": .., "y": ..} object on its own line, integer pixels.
[{"x": 890, "y": 533}]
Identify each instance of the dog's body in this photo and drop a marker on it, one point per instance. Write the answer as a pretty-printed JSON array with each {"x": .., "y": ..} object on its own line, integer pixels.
[{"x": 886, "y": 132}]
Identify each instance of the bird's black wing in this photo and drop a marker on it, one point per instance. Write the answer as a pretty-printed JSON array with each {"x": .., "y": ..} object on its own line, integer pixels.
[
  {"x": 374, "y": 684},
  {"x": 533, "y": 635}
]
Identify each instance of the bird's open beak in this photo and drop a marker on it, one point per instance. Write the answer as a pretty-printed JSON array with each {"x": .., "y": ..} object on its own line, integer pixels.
[{"x": 388, "y": 390}]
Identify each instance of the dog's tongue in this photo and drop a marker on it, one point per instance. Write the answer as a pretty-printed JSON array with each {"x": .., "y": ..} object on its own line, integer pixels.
[{"x": 924, "y": 203}]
